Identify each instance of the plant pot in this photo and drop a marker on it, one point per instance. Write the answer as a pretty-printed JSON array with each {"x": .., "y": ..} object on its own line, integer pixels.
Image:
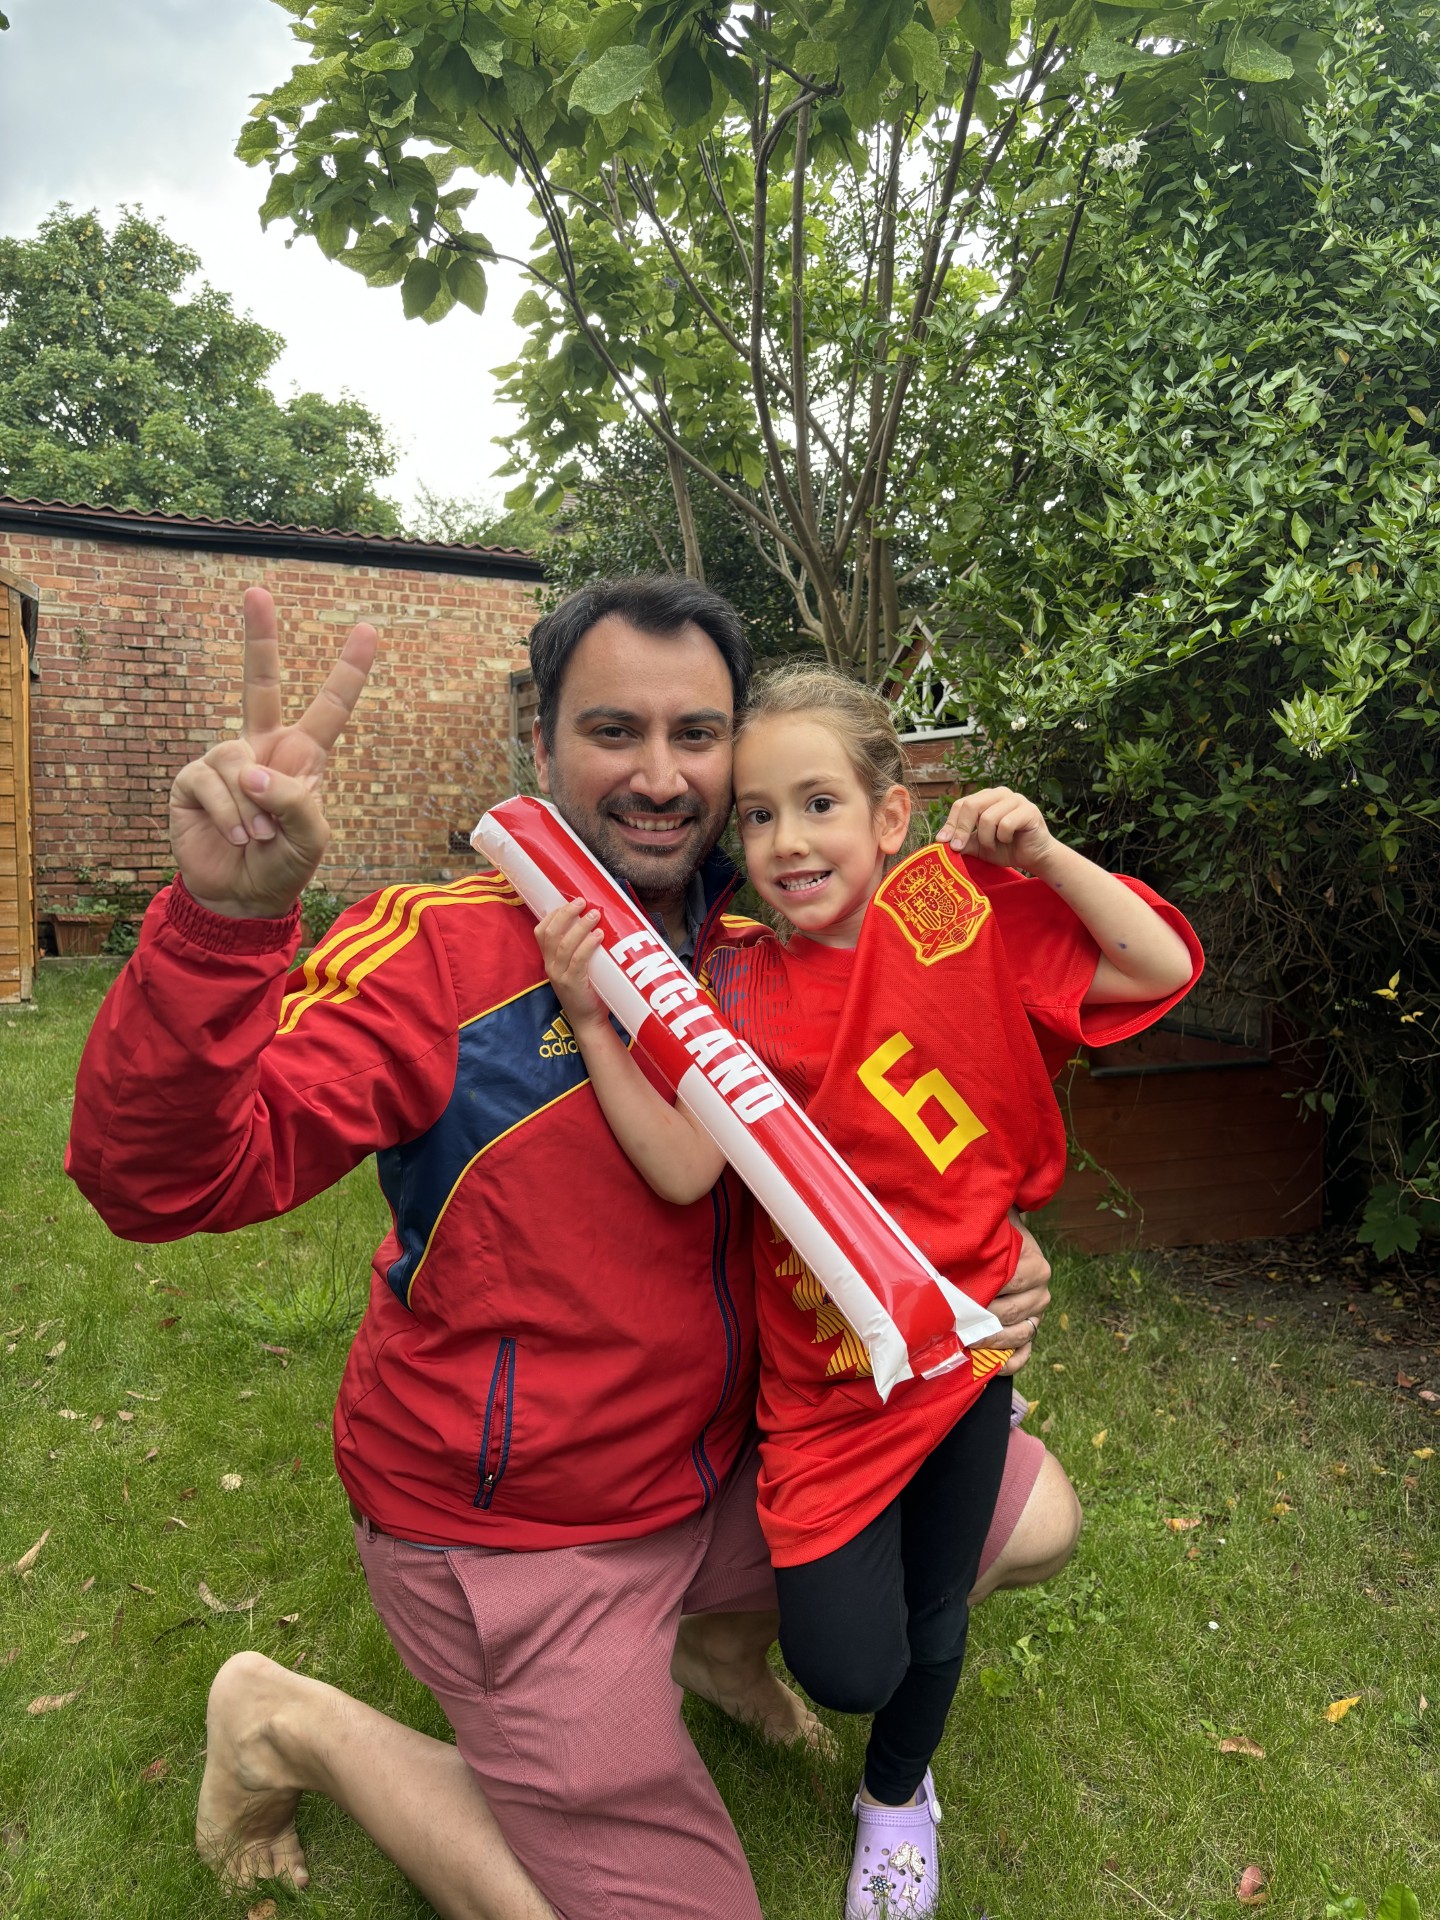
[{"x": 81, "y": 932}]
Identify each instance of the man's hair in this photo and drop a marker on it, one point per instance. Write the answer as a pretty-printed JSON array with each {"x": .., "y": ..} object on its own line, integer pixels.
[{"x": 655, "y": 603}]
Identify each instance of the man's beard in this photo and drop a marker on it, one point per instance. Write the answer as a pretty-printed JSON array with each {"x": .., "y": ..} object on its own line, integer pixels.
[{"x": 652, "y": 875}]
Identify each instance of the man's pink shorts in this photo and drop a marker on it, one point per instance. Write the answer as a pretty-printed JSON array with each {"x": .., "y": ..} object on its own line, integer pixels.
[{"x": 554, "y": 1671}]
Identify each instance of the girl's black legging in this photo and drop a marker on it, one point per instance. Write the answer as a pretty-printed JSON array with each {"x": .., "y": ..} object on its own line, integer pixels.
[{"x": 878, "y": 1626}]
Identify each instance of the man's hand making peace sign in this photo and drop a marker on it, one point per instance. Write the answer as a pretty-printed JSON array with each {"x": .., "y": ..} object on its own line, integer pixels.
[{"x": 245, "y": 821}]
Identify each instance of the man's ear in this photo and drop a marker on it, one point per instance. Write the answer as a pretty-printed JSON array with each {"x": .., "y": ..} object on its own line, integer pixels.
[
  {"x": 542, "y": 757},
  {"x": 892, "y": 818}
]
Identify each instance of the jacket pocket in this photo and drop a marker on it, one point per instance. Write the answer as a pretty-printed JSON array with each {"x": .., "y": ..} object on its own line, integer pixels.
[{"x": 495, "y": 1435}]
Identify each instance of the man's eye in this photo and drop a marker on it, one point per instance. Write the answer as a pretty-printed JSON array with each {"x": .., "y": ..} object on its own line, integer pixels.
[{"x": 697, "y": 736}]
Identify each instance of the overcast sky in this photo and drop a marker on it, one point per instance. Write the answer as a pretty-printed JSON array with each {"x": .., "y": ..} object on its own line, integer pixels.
[{"x": 105, "y": 102}]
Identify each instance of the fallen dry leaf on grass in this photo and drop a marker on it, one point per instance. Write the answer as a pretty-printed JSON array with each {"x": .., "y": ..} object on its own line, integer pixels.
[
  {"x": 231, "y": 1482},
  {"x": 175, "y": 1525},
  {"x": 153, "y": 1454},
  {"x": 282, "y": 1620},
  {"x": 1099, "y": 1439},
  {"x": 126, "y": 1413},
  {"x": 74, "y": 1639},
  {"x": 131, "y": 1394},
  {"x": 49, "y": 1702},
  {"x": 97, "y": 1423},
  {"x": 1252, "y": 1890},
  {"x": 156, "y": 1770},
  {"x": 138, "y": 1586},
  {"x": 262, "y": 1910},
  {"x": 1403, "y": 1379},
  {"x": 27, "y": 1560},
  {"x": 56, "y": 1351},
  {"x": 1240, "y": 1744},
  {"x": 85, "y": 1585},
  {"x": 68, "y": 1413},
  {"x": 220, "y": 1606},
  {"x": 1338, "y": 1709},
  {"x": 1183, "y": 1522},
  {"x": 13, "y": 1653}
]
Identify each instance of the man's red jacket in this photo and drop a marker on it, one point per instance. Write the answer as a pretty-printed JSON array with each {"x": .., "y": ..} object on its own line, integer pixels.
[{"x": 551, "y": 1354}]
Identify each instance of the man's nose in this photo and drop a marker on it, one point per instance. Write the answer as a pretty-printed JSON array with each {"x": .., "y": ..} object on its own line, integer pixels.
[{"x": 658, "y": 773}]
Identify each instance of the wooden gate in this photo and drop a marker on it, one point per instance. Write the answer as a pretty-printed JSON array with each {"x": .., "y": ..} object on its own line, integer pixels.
[{"x": 19, "y": 605}]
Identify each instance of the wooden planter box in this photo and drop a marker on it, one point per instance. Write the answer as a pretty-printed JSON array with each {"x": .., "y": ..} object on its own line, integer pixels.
[
  {"x": 1208, "y": 1136},
  {"x": 77, "y": 933}
]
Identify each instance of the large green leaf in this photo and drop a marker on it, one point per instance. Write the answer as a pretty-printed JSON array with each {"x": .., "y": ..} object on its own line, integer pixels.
[
  {"x": 386, "y": 56},
  {"x": 686, "y": 86},
  {"x": 986, "y": 25},
  {"x": 612, "y": 81},
  {"x": 927, "y": 62},
  {"x": 1248, "y": 58},
  {"x": 866, "y": 31},
  {"x": 420, "y": 288},
  {"x": 1398, "y": 1903},
  {"x": 1107, "y": 59},
  {"x": 466, "y": 280}
]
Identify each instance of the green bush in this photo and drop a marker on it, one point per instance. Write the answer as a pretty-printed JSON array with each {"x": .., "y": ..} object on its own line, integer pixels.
[{"x": 1197, "y": 556}]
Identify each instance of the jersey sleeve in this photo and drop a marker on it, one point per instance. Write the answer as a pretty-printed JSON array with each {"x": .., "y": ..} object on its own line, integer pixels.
[
  {"x": 209, "y": 1096},
  {"x": 1053, "y": 956}
]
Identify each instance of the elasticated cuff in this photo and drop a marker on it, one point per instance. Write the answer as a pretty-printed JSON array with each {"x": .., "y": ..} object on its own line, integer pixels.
[{"x": 219, "y": 933}]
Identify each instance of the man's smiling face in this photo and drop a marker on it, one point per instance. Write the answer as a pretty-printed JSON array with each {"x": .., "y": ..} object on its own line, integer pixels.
[{"x": 640, "y": 765}]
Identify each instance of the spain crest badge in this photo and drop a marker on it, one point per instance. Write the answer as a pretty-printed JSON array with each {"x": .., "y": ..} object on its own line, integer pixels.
[{"x": 937, "y": 909}]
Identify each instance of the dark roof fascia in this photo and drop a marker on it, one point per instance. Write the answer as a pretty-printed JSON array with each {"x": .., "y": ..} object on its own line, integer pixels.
[{"x": 283, "y": 543}]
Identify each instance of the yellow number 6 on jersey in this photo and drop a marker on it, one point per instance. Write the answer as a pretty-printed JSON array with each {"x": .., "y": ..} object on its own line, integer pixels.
[{"x": 907, "y": 1107}]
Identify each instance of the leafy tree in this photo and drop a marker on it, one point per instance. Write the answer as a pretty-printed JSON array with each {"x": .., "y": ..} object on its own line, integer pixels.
[
  {"x": 122, "y": 386},
  {"x": 475, "y": 520},
  {"x": 1195, "y": 555},
  {"x": 620, "y": 518},
  {"x": 755, "y": 224}
]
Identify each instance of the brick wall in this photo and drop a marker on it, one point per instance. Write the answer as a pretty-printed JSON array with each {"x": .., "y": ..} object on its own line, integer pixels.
[{"x": 139, "y": 659}]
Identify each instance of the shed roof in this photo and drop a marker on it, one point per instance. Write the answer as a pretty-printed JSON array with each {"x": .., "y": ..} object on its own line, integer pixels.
[{"x": 265, "y": 537}]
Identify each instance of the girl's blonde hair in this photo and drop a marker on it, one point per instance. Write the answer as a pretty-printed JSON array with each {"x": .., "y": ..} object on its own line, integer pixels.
[{"x": 859, "y": 718}]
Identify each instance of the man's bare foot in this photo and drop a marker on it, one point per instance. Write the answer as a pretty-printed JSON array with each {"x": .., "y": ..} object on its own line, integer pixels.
[
  {"x": 724, "y": 1662},
  {"x": 245, "y": 1820}
]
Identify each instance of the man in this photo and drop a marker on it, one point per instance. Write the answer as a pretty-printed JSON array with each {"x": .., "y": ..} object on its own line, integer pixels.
[{"x": 545, "y": 1420}]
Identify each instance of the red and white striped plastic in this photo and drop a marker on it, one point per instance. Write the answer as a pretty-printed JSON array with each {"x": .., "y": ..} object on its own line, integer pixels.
[{"x": 910, "y": 1317}]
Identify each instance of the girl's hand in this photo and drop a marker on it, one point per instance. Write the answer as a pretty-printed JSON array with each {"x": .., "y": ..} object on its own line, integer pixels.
[
  {"x": 568, "y": 936},
  {"x": 1000, "y": 826}
]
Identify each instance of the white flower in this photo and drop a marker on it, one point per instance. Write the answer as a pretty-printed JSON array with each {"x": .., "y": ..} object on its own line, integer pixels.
[
  {"x": 1186, "y": 436},
  {"x": 1017, "y": 724},
  {"x": 1121, "y": 158}
]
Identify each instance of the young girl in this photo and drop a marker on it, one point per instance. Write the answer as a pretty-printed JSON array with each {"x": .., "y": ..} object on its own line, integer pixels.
[{"x": 918, "y": 1011}]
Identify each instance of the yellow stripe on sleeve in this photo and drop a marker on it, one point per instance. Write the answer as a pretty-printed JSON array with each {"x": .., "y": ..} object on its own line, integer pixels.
[{"x": 349, "y": 956}]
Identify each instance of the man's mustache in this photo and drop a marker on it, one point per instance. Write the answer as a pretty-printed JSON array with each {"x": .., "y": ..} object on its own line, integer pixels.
[{"x": 689, "y": 808}]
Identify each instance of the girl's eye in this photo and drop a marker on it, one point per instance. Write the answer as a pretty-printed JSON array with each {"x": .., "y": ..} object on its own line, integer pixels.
[
  {"x": 821, "y": 804},
  {"x": 756, "y": 817}
]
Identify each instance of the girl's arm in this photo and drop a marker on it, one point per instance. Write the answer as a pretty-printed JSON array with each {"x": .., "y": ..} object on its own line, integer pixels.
[
  {"x": 1140, "y": 957},
  {"x": 677, "y": 1158}
]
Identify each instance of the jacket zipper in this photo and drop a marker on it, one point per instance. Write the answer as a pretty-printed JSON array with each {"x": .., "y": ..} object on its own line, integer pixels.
[{"x": 495, "y": 1436}]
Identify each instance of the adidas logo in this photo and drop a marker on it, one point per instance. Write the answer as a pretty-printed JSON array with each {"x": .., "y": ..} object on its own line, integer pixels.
[{"x": 557, "y": 1040}]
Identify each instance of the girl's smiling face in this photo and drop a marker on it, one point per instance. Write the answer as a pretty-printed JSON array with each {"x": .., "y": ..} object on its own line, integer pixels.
[{"x": 815, "y": 844}]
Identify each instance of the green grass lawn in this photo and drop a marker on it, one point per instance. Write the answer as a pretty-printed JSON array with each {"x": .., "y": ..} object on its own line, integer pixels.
[{"x": 1082, "y": 1775}]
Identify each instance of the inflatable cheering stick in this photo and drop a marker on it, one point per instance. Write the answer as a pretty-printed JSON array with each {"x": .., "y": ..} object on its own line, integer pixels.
[{"x": 910, "y": 1317}]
